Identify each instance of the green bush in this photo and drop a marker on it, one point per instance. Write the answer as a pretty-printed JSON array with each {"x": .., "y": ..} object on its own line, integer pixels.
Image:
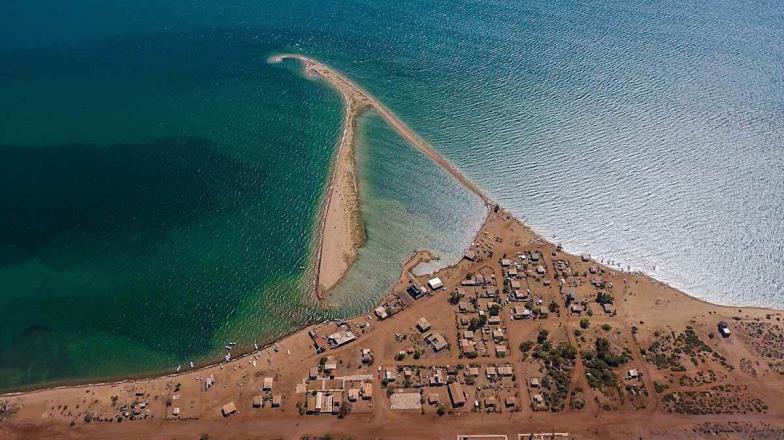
[{"x": 542, "y": 337}]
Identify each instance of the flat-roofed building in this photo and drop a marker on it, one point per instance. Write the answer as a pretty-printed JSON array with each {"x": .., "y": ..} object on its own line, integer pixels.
[
  {"x": 367, "y": 390},
  {"x": 228, "y": 409},
  {"x": 437, "y": 342},
  {"x": 423, "y": 325},
  {"x": 341, "y": 337},
  {"x": 435, "y": 283}
]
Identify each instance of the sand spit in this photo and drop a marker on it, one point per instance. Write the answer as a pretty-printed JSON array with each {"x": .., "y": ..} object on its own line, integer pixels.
[{"x": 340, "y": 232}]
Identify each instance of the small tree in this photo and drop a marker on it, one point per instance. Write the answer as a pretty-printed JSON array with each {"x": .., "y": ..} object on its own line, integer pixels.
[
  {"x": 584, "y": 323},
  {"x": 526, "y": 346}
]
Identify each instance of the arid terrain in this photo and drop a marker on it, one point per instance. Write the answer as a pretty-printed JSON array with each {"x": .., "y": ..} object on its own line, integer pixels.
[{"x": 523, "y": 339}]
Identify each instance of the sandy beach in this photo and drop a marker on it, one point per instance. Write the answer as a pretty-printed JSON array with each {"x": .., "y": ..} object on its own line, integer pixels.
[
  {"x": 340, "y": 232},
  {"x": 519, "y": 337}
]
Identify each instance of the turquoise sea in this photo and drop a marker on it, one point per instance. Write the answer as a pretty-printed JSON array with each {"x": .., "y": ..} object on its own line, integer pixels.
[{"x": 159, "y": 180}]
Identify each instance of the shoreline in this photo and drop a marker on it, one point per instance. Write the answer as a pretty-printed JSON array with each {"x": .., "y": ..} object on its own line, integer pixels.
[
  {"x": 340, "y": 231},
  {"x": 638, "y": 298},
  {"x": 415, "y": 258},
  {"x": 241, "y": 357}
]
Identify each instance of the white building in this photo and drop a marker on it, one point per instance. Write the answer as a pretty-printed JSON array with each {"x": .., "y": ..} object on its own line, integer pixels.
[{"x": 435, "y": 283}]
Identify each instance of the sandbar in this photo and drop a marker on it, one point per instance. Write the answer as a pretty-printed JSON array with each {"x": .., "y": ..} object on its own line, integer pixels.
[{"x": 340, "y": 233}]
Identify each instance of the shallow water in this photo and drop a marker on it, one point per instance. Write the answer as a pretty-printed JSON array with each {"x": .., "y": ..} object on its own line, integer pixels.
[{"x": 648, "y": 134}]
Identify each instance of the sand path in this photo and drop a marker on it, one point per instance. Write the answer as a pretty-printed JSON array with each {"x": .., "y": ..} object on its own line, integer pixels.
[{"x": 340, "y": 232}]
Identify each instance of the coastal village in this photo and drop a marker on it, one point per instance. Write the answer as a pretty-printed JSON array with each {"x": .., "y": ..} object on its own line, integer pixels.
[{"x": 518, "y": 340}]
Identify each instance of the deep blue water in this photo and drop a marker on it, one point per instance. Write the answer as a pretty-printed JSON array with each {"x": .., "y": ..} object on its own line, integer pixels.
[{"x": 160, "y": 180}]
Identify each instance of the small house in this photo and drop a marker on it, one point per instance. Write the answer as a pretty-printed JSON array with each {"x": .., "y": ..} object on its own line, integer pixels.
[
  {"x": 416, "y": 290},
  {"x": 228, "y": 409},
  {"x": 456, "y": 394},
  {"x": 724, "y": 329},
  {"x": 435, "y": 283},
  {"x": 505, "y": 371},
  {"x": 423, "y": 325},
  {"x": 367, "y": 390},
  {"x": 437, "y": 342},
  {"x": 381, "y": 313},
  {"x": 341, "y": 337}
]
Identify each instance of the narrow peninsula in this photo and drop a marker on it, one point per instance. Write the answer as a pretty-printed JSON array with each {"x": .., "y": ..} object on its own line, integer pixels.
[{"x": 340, "y": 233}]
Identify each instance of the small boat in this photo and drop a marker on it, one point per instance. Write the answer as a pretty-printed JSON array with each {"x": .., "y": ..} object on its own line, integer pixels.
[
  {"x": 191, "y": 364},
  {"x": 256, "y": 345},
  {"x": 227, "y": 347},
  {"x": 227, "y": 357},
  {"x": 178, "y": 368},
  {"x": 233, "y": 343}
]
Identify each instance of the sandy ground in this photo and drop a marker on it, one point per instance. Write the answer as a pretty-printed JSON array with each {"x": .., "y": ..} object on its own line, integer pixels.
[
  {"x": 340, "y": 231},
  {"x": 645, "y": 308}
]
